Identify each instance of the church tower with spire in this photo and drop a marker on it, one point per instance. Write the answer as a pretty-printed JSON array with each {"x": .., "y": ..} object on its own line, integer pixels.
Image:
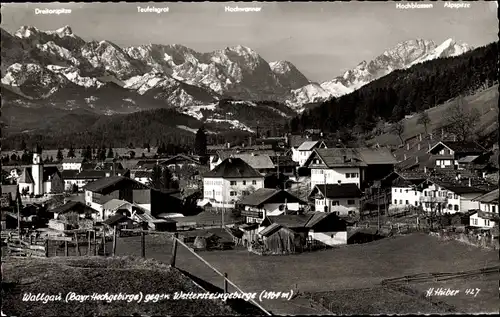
[{"x": 37, "y": 171}]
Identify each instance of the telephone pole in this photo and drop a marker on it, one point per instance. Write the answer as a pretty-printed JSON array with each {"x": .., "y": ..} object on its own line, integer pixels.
[{"x": 378, "y": 208}]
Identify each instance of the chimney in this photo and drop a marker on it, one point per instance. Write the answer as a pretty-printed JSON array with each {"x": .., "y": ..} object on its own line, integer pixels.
[
  {"x": 407, "y": 146},
  {"x": 425, "y": 169},
  {"x": 228, "y": 145},
  {"x": 420, "y": 136},
  {"x": 416, "y": 159},
  {"x": 418, "y": 146},
  {"x": 470, "y": 182}
]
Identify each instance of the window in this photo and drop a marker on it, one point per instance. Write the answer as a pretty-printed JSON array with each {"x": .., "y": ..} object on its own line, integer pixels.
[
  {"x": 335, "y": 203},
  {"x": 395, "y": 190},
  {"x": 395, "y": 201},
  {"x": 455, "y": 196},
  {"x": 456, "y": 207},
  {"x": 438, "y": 162},
  {"x": 416, "y": 203},
  {"x": 348, "y": 175},
  {"x": 450, "y": 206},
  {"x": 486, "y": 222},
  {"x": 350, "y": 202},
  {"x": 493, "y": 209},
  {"x": 244, "y": 182},
  {"x": 232, "y": 193},
  {"x": 474, "y": 222},
  {"x": 415, "y": 193},
  {"x": 407, "y": 202},
  {"x": 406, "y": 191},
  {"x": 254, "y": 182},
  {"x": 400, "y": 201},
  {"x": 400, "y": 190},
  {"x": 427, "y": 205},
  {"x": 425, "y": 193},
  {"x": 232, "y": 183}
]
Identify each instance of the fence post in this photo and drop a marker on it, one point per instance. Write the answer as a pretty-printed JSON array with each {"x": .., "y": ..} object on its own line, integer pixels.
[
  {"x": 174, "y": 250},
  {"x": 46, "y": 248},
  {"x": 95, "y": 242},
  {"x": 77, "y": 245},
  {"x": 66, "y": 248},
  {"x": 114, "y": 240},
  {"x": 225, "y": 283},
  {"x": 143, "y": 244},
  {"x": 89, "y": 243},
  {"x": 103, "y": 242}
]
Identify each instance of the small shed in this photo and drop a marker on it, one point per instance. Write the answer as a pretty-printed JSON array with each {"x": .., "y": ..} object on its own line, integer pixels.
[{"x": 280, "y": 240}]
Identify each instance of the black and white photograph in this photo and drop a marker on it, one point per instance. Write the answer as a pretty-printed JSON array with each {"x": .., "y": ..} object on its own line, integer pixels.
[{"x": 249, "y": 158}]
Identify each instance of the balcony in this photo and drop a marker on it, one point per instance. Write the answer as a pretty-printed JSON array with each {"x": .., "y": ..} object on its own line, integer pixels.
[
  {"x": 430, "y": 199},
  {"x": 252, "y": 213}
]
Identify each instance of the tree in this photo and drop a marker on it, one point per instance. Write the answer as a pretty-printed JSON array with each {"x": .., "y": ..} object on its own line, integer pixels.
[
  {"x": 74, "y": 189},
  {"x": 23, "y": 145},
  {"x": 5, "y": 177},
  {"x": 14, "y": 157},
  {"x": 110, "y": 153},
  {"x": 460, "y": 122},
  {"x": 398, "y": 128},
  {"x": 87, "y": 153},
  {"x": 423, "y": 119},
  {"x": 71, "y": 152},
  {"x": 102, "y": 153},
  {"x": 132, "y": 154},
  {"x": 155, "y": 181},
  {"x": 59, "y": 155},
  {"x": 200, "y": 143}
]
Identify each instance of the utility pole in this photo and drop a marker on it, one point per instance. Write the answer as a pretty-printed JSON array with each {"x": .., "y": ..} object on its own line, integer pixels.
[
  {"x": 378, "y": 208},
  {"x": 324, "y": 182},
  {"x": 18, "y": 218}
]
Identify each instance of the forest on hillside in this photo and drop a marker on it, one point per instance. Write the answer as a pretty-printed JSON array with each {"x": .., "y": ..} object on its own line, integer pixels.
[{"x": 404, "y": 92}]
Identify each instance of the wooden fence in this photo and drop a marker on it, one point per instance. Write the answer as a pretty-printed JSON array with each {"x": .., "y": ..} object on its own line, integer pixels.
[{"x": 430, "y": 277}]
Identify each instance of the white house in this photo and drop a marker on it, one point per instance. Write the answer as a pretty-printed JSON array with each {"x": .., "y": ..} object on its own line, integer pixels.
[
  {"x": 268, "y": 202},
  {"x": 329, "y": 166},
  {"x": 229, "y": 181},
  {"x": 72, "y": 164},
  {"x": 305, "y": 149},
  {"x": 447, "y": 197},
  {"x": 143, "y": 177},
  {"x": 488, "y": 211},
  {"x": 341, "y": 199},
  {"x": 406, "y": 191}
]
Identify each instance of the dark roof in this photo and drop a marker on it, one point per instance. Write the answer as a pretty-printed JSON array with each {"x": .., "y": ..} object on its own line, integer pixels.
[
  {"x": 73, "y": 206},
  {"x": 263, "y": 195},
  {"x": 338, "y": 190},
  {"x": 338, "y": 157},
  {"x": 283, "y": 160},
  {"x": 301, "y": 221},
  {"x": 460, "y": 147},
  {"x": 92, "y": 174},
  {"x": 489, "y": 198},
  {"x": 108, "y": 184},
  {"x": 72, "y": 160},
  {"x": 269, "y": 230},
  {"x": 115, "y": 219},
  {"x": 233, "y": 168},
  {"x": 297, "y": 140},
  {"x": 88, "y": 166},
  {"x": 26, "y": 176},
  {"x": 380, "y": 156},
  {"x": 142, "y": 174},
  {"x": 69, "y": 174},
  {"x": 458, "y": 188},
  {"x": 176, "y": 158}
]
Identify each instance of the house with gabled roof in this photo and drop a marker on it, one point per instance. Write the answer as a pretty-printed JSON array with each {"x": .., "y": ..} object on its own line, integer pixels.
[
  {"x": 229, "y": 181},
  {"x": 305, "y": 149},
  {"x": 405, "y": 188},
  {"x": 329, "y": 166},
  {"x": 487, "y": 214},
  {"x": 447, "y": 154},
  {"x": 268, "y": 201},
  {"x": 341, "y": 199}
]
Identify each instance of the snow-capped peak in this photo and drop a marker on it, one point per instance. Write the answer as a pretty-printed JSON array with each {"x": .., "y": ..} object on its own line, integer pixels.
[
  {"x": 65, "y": 30},
  {"x": 26, "y": 31}
]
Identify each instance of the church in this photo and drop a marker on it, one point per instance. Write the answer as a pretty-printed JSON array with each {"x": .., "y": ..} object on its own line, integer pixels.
[{"x": 39, "y": 179}]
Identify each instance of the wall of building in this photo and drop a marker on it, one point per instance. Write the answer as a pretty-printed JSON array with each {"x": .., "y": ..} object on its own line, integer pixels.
[
  {"x": 220, "y": 189},
  {"x": 489, "y": 207},
  {"x": 476, "y": 221},
  {"x": 342, "y": 208},
  {"x": 329, "y": 238},
  {"x": 402, "y": 197},
  {"x": 334, "y": 175}
]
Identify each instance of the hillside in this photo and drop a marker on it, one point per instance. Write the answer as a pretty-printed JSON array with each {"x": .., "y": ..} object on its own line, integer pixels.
[
  {"x": 485, "y": 101},
  {"x": 405, "y": 92}
]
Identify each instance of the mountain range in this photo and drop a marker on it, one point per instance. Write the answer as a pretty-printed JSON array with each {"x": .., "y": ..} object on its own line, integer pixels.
[{"x": 59, "y": 70}]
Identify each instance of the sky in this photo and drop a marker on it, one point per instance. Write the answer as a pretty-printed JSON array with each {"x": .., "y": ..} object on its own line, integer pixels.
[{"x": 321, "y": 39}]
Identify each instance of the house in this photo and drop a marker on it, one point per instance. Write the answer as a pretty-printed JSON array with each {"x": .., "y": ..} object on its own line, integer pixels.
[
  {"x": 380, "y": 163},
  {"x": 341, "y": 199},
  {"x": 74, "y": 207},
  {"x": 488, "y": 212},
  {"x": 267, "y": 201},
  {"x": 244, "y": 152},
  {"x": 14, "y": 174},
  {"x": 180, "y": 161},
  {"x": 278, "y": 239},
  {"x": 326, "y": 228},
  {"x": 10, "y": 196},
  {"x": 229, "y": 181},
  {"x": 101, "y": 191},
  {"x": 405, "y": 188},
  {"x": 39, "y": 179},
  {"x": 284, "y": 164},
  {"x": 80, "y": 179},
  {"x": 305, "y": 149},
  {"x": 448, "y": 153},
  {"x": 446, "y": 196},
  {"x": 329, "y": 166},
  {"x": 72, "y": 164}
]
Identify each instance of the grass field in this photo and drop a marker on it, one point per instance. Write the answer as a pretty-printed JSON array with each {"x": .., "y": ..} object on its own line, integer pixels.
[
  {"x": 354, "y": 266},
  {"x": 486, "y": 102},
  {"x": 100, "y": 275}
]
